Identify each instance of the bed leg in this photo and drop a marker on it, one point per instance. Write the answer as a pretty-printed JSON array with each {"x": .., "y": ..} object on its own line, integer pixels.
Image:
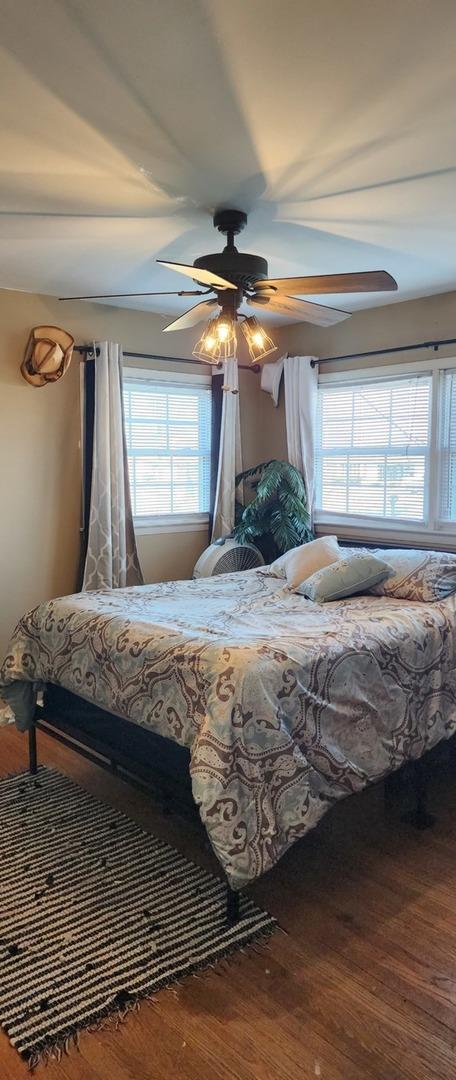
[
  {"x": 33, "y": 759},
  {"x": 232, "y": 906},
  {"x": 419, "y": 817}
]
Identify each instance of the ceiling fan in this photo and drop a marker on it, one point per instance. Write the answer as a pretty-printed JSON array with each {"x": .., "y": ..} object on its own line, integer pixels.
[{"x": 234, "y": 278}]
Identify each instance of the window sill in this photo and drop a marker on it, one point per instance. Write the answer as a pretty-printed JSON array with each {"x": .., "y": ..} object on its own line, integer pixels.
[
  {"x": 398, "y": 534},
  {"x": 171, "y": 523}
]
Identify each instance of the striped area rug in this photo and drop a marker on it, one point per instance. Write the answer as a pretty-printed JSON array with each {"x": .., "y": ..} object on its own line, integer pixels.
[{"x": 95, "y": 913}]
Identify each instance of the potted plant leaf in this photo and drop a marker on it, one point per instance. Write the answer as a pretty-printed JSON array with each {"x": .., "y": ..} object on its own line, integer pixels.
[{"x": 277, "y": 517}]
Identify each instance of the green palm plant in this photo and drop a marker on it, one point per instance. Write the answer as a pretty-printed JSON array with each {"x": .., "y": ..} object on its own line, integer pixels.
[{"x": 277, "y": 518}]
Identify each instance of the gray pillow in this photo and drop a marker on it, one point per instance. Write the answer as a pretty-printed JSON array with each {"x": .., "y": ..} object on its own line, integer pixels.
[{"x": 346, "y": 577}]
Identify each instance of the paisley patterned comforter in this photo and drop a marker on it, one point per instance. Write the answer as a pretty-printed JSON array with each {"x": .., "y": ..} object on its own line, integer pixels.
[{"x": 286, "y": 705}]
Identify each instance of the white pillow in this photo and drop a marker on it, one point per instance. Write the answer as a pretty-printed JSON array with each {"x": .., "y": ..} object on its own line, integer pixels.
[{"x": 303, "y": 561}]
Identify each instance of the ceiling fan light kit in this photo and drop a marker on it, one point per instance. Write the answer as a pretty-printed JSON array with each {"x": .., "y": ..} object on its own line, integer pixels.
[
  {"x": 260, "y": 345},
  {"x": 218, "y": 342},
  {"x": 238, "y": 277}
]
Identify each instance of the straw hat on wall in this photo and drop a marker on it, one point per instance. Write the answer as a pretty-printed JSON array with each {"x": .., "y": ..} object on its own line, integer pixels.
[{"x": 47, "y": 355}]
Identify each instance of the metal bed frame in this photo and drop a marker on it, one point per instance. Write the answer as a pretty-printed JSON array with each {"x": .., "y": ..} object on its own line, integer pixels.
[{"x": 117, "y": 766}]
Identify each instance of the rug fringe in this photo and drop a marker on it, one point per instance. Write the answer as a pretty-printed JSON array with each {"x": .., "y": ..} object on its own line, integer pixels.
[
  {"x": 110, "y": 1017},
  {"x": 53, "y": 1052}
]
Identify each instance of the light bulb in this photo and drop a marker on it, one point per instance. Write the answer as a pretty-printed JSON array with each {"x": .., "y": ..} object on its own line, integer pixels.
[
  {"x": 223, "y": 331},
  {"x": 258, "y": 338},
  {"x": 258, "y": 341}
]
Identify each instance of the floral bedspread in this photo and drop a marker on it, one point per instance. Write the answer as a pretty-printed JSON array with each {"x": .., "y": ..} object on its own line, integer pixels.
[{"x": 286, "y": 705}]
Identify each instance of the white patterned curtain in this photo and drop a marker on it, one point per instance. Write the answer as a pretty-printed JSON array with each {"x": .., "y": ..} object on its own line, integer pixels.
[
  {"x": 230, "y": 454},
  {"x": 301, "y": 384},
  {"x": 111, "y": 559}
]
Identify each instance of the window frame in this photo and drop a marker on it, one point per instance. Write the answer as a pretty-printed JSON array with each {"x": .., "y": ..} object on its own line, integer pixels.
[
  {"x": 367, "y": 527},
  {"x": 169, "y": 523}
]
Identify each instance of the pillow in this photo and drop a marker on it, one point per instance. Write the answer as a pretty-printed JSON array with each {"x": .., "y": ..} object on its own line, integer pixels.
[
  {"x": 299, "y": 563},
  {"x": 417, "y": 575},
  {"x": 346, "y": 577}
]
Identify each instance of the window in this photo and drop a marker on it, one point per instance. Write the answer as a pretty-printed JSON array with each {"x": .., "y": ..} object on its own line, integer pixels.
[
  {"x": 447, "y": 446},
  {"x": 168, "y": 434},
  {"x": 386, "y": 449}
]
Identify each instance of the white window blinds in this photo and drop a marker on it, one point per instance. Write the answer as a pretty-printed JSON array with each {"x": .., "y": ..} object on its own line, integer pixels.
[
  {"x": 168, "y": 433},
  {"x": 447, "y": 448},
  {"x": 372, "y": 453}
]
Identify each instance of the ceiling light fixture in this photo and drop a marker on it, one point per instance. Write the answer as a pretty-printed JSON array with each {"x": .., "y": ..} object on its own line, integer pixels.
[
  {"x": 259, "y": 343},
  {"x": 218, "y": 341}
]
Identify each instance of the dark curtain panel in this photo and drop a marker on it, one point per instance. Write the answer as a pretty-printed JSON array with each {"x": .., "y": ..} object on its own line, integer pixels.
[
  {"x": 88, "y": 415},
  {"x": 217, "y": 397}
]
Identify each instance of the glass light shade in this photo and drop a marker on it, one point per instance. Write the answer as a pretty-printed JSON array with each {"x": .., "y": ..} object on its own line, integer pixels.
[
  {"x": 217, "y": 342},
  {"x": 258, "y": 341}
]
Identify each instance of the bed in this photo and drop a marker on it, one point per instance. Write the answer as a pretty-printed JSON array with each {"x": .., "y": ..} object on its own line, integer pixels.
[{"x": 281, "y": 706}]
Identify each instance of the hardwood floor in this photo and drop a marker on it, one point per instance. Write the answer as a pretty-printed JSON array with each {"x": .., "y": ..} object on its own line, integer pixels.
[{"x": 362, "y": 985}]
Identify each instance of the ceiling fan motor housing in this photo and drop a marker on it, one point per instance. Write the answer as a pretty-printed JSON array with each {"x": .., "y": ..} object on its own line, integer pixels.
[{"x": 236, "y": 266}]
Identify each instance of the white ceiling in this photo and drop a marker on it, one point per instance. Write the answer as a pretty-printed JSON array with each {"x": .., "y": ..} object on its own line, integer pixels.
[{"x": 124, "y": 123}]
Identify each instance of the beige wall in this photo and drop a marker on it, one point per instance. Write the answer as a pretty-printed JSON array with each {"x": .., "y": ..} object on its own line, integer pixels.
[
  {"x": 262, "y": 428},
  {"x": 40, "y": 459},
  {"x": 405, "y": 323}
]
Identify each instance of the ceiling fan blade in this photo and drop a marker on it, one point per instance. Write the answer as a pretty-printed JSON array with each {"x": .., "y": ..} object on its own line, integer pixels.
[
  {"x": 369, "y": 281},
  {"x": 118, "y": 295},
  {"x": 205, "y": 277},
  {"x": 319, "y": 314},
  {"x": 193, "y": 316}
]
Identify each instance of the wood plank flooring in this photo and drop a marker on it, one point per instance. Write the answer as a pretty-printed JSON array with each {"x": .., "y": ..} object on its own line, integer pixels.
[{"x": 361, "y": 987}]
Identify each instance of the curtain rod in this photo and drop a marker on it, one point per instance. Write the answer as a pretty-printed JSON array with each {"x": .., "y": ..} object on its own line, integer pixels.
[
  {"x": 384, "y": 352},
  {"x": 88, "y": 351}
]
